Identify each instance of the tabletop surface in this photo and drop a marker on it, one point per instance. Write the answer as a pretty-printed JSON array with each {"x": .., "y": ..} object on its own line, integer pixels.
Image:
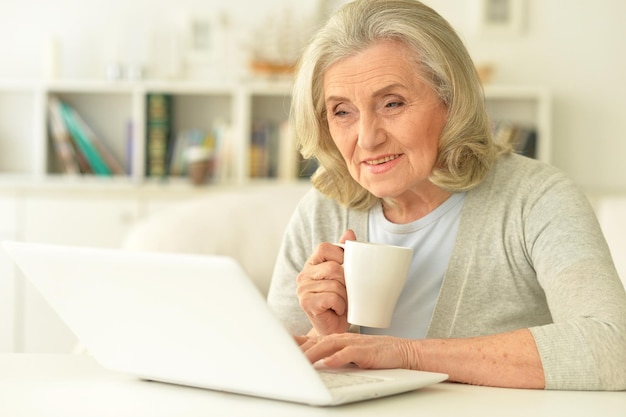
[{"x": 75, "y": 385}]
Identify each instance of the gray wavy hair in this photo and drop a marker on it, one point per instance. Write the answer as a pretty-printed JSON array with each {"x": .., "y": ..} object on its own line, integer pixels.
[{"x": 466, "y": 148}]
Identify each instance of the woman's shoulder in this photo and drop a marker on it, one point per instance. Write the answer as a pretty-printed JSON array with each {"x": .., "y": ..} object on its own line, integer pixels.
[
  {"x": 315, "y": 209},
  {"x": 519, "y": 180},
  {"x": 522, "y": 167},
  {"x": 524, "y": 175},
  {"x": 320, "y": 215},
  {"x": 315, "y": 201}
]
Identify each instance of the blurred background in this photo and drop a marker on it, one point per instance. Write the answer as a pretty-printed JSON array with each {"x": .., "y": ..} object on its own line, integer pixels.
[{"x": 574, "y": 48}]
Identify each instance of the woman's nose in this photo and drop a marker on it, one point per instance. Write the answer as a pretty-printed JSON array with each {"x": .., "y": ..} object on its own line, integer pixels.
[{"x": 370, "y": 133}]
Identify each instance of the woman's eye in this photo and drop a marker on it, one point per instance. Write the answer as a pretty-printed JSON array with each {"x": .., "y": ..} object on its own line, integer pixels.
[
  {"x": 340, "y": 111},
  {"x": 393, "y": 104}
]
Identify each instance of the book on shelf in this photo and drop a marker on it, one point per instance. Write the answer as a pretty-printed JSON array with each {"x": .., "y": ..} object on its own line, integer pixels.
[
  {"x": 177, "y": 165},
  {"x": 224, "y": 151},
  {"x": 83, "y": 163},
  {"x": 522, "y": 138},
  {"x": 114, "y": 166},
  {"x": 287, "y": 152},
  {"x": 61, "y": 139},
  {"x": 88, "y": 151},
  {"x": 129, "y": 140},
  {"x": 273, "y": 153},
  {"x": 158, "y": 133},
  {"x": 261, "y": 149}
]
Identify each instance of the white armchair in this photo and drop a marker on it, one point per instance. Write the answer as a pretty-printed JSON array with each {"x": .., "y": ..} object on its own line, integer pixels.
[{"x": 246, "y": 223}]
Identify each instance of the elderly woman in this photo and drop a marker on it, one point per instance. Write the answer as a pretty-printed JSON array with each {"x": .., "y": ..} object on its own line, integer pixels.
[{"x": 511, "y": 283}]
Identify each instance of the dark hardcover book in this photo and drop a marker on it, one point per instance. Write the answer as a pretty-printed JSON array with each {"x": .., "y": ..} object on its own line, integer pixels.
[{"x": 158, "y": 133}]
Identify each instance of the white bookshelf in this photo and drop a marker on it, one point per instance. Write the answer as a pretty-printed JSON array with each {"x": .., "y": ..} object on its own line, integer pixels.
[{"x": 108, "y": 107}]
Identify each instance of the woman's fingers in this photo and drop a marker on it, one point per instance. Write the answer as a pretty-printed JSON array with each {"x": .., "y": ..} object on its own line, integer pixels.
[
  {"x": 321, "y": 290},
  {"x": 365, "y": 351}
]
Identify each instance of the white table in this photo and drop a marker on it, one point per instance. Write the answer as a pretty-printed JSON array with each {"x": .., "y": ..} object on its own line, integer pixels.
[{"x": 74, "y": 385}]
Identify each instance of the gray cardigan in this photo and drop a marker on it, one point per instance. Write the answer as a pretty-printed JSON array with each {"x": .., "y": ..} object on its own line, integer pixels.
[{"x": 529, "y": 254}]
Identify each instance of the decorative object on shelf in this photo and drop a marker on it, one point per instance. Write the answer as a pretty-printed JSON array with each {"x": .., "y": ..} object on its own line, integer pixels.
[
  {"x": 199, "y": 160},
  {"x": 501, "y": 17},
  {"x": 114, "y": 71},
  {"x": 186, "y": 147},
  {"x": 208, "y": 39},
  {"x": 485, "y": 72},
  {"x": 52, "y": 58},
  {"x": 276, "y": 43},
  {"x": 265, "y": 67},
  {"x": 126, "y": 51},
  {"x": 135, "y": 72},
  {"x": 211, "y": 150}
]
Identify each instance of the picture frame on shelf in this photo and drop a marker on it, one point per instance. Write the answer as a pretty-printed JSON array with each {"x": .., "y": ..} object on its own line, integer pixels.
[
  {"x": 206, "y": 45},
  {"x": 497, "y": 18}
]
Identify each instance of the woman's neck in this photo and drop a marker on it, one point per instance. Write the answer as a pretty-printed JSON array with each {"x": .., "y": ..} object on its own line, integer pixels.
[{"x": 412, "y": 205}]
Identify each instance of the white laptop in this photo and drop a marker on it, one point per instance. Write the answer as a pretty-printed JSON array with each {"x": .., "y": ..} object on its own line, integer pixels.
[{"x": 192, "y": 320}]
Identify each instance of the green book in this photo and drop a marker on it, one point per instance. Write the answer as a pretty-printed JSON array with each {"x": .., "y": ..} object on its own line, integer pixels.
[
  {"x": 158, "y": 133},
  {"x": 83, "y": 141}
]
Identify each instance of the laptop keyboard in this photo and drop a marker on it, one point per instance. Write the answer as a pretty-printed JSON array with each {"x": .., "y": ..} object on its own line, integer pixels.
[{"x": 337, "y": 379}]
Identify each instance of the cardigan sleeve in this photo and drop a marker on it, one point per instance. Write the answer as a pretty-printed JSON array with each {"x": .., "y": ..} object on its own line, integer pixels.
[
  {"x": 294, "y": 250},
  {"x": 585, "y": 346},
  {"x": 317, "y": 219}
]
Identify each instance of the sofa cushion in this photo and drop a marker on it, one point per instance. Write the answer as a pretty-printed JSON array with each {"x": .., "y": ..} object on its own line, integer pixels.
[{"x": 246, "y": 223}]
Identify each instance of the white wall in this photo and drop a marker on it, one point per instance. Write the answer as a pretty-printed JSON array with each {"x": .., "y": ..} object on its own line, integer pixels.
[
  {"x": 94, "y": 32},
  {"x": 576, "y": 48}
]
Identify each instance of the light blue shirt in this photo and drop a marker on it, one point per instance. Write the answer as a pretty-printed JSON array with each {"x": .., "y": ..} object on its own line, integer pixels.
[{"x": 432, "y": 238}]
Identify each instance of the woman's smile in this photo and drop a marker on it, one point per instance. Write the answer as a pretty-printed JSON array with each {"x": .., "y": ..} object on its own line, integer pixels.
[{"x": 382, "y": 164}]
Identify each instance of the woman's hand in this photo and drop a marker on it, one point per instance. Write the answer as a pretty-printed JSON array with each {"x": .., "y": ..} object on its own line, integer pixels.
[
  {"x": 365, "y": 351},
  {"x": 322, "y": 289},
  {"x": 509, "y": 359}
]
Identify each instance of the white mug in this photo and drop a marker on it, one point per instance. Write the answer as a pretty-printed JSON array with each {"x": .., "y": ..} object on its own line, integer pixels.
[{"x": 375, "y": 275}]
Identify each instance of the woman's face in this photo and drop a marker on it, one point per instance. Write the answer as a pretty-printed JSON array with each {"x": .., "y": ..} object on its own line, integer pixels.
[{"x": 384, "y": 120}]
